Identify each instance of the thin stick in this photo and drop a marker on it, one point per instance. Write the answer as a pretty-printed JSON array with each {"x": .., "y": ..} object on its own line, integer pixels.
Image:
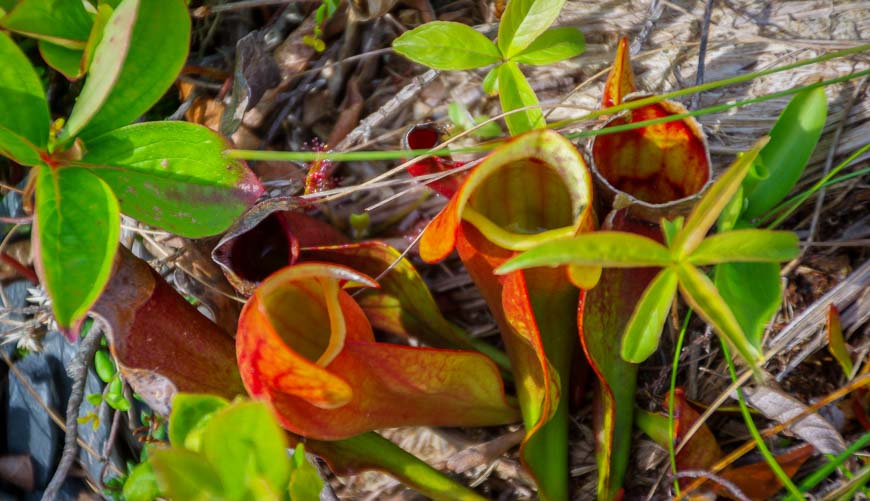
[
  {"x": 702, "y": 50},
  {"x": 79, "y": 370}
]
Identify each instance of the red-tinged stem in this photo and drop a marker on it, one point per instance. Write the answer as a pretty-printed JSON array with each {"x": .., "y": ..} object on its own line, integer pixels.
[{"x": 24, "y": 271}]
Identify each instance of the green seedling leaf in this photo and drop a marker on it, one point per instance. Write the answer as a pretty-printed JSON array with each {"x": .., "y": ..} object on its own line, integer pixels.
[
  {"x": 490, "y": 81},
  {"x": 703, "y": 297},
  {"x": 524, "y": 21},
  {"x": 731, "y": 213},
  {"x": 671, "y": 228},
  {"x": 24, "y": 121},
  {"x": 67, "y": 61},
  {"x": 554, "y": 45},
  {"x": 707, "y": 210},
  {"x": 514, "y": 93},
  {"x": 62, "y": 22},
  {"x": 118, "y": 402},
  {"x": 94, "y": 399},
  {"x": 183, "y": 474},
  {"x": 746, "y": 246},
  {"x": 190, "y": 414},
  {"x": 446, "y": 45},
  {"x": 141, "y": 484},
  {"x": 611, "y": 249},
  {"x": 78, "y": 224},
  {"x": 174, "y": 175},
  {"x": 648, "y": 319},
  {"x": 244, "y": 441},
  {"x": 792, "y": 141},
  {"x": 143, "y": 48},
  {"x": 836, "y": 342},
  {"x": 753, "y": 291},
  {"x": 305, "y": 481},
  {"x": 104, "y": 366}
]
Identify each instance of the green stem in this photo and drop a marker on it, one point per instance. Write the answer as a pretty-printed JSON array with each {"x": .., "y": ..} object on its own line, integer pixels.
[
  {"x": 672, "y": 455},
  {"x": 375, "y": 451},
  {"x": 713, "y": 109},
  {"x": 756, "y": 435},
  {"x": 792, "y": 204},
  {"x": 829, "y": 467},
  {"x": 349, "y": 156}
]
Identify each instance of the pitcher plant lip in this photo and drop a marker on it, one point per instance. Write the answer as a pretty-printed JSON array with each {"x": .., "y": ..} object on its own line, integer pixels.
[{"x": 539, "y": 149}]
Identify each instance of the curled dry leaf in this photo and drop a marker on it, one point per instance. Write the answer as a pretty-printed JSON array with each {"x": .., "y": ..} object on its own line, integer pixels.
[{"x": 781, "y": 407}]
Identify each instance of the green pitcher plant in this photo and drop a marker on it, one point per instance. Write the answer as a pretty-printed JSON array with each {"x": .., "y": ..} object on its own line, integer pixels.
[{"x": 532, "y": 189}]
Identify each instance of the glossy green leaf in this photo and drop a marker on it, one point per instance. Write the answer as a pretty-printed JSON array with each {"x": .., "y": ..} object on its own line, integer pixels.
[
  {"x": 144, "y": 46},
  {"x": 792, "y": 141},
  {"x": 104, "y": 13},
  {"x": 190, "y": 414},
  {"x": 648, "y": 319},
  {"x": 305, "y": 481},
  {"x": 446, "y": 45},
  {"x": 24, "y": 121},
  {"x": 702, "y": 296},
  {"x": 6, "y": 6},
  {"x": 66, "y": 61},
  {"x": 707, "y": 210},
  {"x": 611, "y": 249},
  {"x": 62, "y": 22},
  {"x": 174, "y": 175},
  {"x": 78, "y": 224},
  {"x": 183, "y": 474},
  {"x": 731, "y": 213},
  {"x": 746, "y": 246},
  {"x": 554, "y": 45},
  {"x": 141, "y": 484},
  {"x": 243, "y": 441},
  {"x": 490, "y": 81},
  {"x": 104, "y": 366},
  {"x": 754, "y": 293},
  {"x": 523, "y": 21},
  {"x": 515, "y": 92}
]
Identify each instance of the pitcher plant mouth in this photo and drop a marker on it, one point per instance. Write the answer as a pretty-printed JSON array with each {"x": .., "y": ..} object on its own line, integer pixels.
[
  {"x": 525, "y": 192},
  {"x": 306, "y": 347},
  {"x": 658, "y": 170}
]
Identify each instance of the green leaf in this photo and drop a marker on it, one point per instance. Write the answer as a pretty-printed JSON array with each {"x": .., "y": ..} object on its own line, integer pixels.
[
  {"x": 305, "y": 481},
  {"x": 141, "y": 485},
  {"x": 174, "y": 175},
  {"x": 24, "y": 121},
  {"x": 104, "y": 13},
  {"x": 104, "y": 366},
  {"x": 792, "y": 141},
  {"x": 66, "y": 61},
  {"x": 754, "y": 293},
  {"x": 746, "y": 246},
  {"x": 731, "y": 213},
  {"x": 670, "y": 228},
  {"x": 446, "y": 45},
  {"x": 62, "y": 22},
  {"x": 514, "y": 93},
  {"x": 190, "y": 414},
  {"x": 78, "y": 224},
  {"x": 702, "y": 296},
  {"x": 183, "y": 474},
  {"x": 648, "y": 319},
  {"x": 143, "y": 48},
  {"x": 718, "y": 196},
  {"x": 244, "y": 441},
  {"x": 611, "y": 249},
  {"x": 523, "y": 21},
  {"x": 554, "y": 45},
  {"x": 490, "y": 81}
]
